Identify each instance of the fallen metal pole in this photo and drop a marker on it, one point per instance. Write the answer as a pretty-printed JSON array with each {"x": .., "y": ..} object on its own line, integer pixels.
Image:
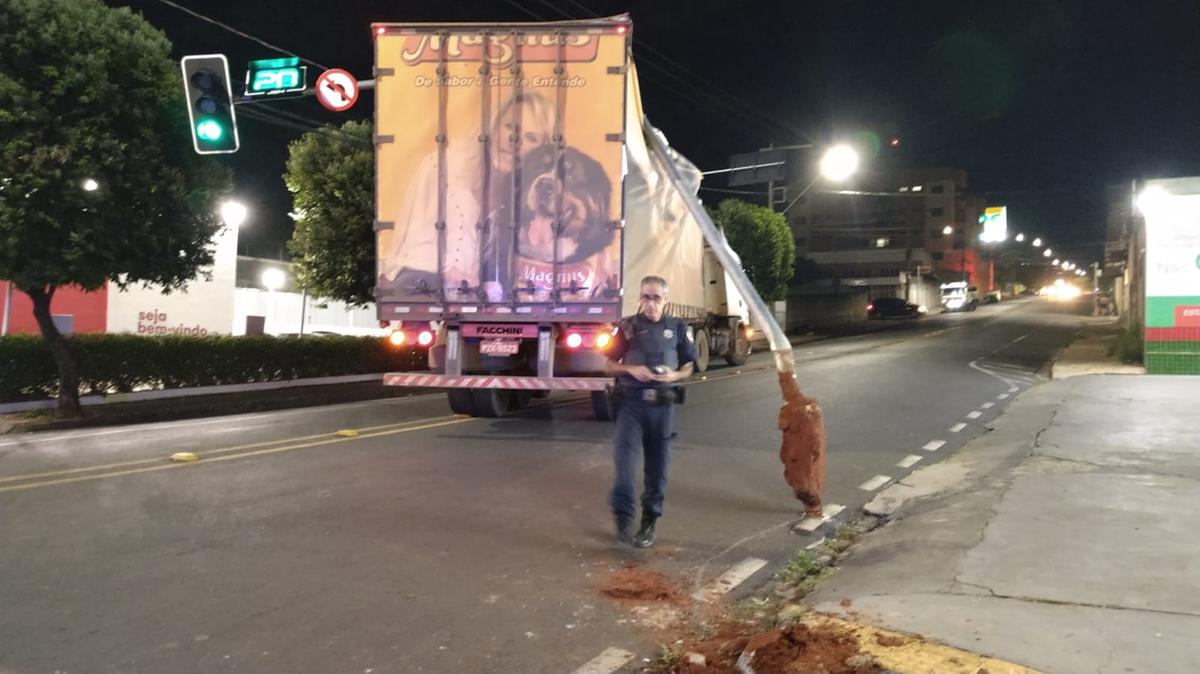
[{"x": 800, "y": 419}]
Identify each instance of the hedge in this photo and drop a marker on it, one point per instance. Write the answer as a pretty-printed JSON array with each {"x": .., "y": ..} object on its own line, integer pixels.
[{"x": 121, "y": 363}]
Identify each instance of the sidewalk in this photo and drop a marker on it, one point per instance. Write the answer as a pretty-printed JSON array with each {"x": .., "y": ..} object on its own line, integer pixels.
[{"x": 1064, "y": 540}]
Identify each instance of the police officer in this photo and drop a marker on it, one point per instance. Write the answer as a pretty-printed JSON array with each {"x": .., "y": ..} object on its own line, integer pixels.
[{"x": 650, "y": 354}]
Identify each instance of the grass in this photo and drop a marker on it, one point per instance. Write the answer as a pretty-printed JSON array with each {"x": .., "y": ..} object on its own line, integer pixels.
[{"x": 1128, "y": 346}]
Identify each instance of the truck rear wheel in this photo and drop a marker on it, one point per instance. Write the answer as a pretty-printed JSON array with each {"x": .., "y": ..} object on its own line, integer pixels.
[
  {"x": 492, "y": 402},
  {"x": 741, "y": 347},
  {"x": 701, "y": 350},
  {"x": 461, "y": 401},
  {"x": 604, "y": 405}
]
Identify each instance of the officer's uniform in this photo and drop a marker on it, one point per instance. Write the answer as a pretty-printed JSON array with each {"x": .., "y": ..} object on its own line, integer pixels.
[{"x": 646, "y": 413}]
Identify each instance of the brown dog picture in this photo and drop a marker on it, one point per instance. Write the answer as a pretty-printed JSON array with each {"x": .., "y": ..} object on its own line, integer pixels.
[{"x": 583, "y": 195}]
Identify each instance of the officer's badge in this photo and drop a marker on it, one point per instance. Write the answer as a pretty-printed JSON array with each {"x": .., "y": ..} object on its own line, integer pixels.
[{"x": 668, "y": 333}]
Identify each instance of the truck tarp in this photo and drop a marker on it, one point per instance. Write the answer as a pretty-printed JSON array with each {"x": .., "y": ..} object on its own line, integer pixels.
[{"x": 513, "y": 181}]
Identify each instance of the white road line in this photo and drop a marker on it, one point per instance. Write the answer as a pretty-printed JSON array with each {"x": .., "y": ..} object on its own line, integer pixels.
[
  {"x": 909, "y": 461},
  {"x": 957, "y": 427},
  {"x": 974, "y": 414},
  {"x": 974, "y": 365},
  {"x": 987, "y": 406},
  {"x": 1002, "y": 396},
  {"x": 933, "y": 445},
  {"x": 610, "y": 660},
  {"x": 875, "y": 483},
  {"x": 810, "y": 524},
  {"x": 730, "y": 579}
]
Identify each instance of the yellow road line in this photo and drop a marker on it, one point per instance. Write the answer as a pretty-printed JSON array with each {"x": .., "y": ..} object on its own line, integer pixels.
[
  {"x": 237, "y": 452},
  {"x": 208, "y": 456}
]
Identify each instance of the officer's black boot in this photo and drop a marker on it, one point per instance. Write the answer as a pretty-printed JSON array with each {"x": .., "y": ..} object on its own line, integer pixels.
[
  {"x": 644, "y": 538},
  {"x": 624, "y": 530}
]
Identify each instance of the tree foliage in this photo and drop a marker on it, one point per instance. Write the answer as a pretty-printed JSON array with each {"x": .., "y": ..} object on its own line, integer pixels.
[
  {"x": 88, "y": 92},
  {"x": 763, "y": 240},
  {"x": 331, "y": 175}
]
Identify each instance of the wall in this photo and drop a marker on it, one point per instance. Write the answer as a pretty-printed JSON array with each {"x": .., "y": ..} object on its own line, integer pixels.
[
  {"x": 87, "y": 310},
  {"x": 824, "y": 307},
  {"x": 205, "y": 308},
  {"x": 282, "y": 312}
]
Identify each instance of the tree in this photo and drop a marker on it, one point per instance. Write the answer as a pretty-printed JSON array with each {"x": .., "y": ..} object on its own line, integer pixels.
[
  {"x": 331, "y": 175},
  {"x": 763, "y": 240},
  {"x": 89, "y": 96}
]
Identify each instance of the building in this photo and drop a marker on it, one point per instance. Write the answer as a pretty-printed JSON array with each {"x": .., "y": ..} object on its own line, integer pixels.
[
  {"x": 237, "y": 296},
  {"x": 884, "y": 224}
]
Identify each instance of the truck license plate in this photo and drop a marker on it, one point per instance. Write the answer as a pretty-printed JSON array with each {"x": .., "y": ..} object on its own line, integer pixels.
[{"x": 499, "y": 347}]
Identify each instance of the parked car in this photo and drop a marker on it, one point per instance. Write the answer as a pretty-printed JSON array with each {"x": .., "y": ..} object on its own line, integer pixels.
[
  {"x": 894, "y": 307},
  {"x": 992, "y": 297}
]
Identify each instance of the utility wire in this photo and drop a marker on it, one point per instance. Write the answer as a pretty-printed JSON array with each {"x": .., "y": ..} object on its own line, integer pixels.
[{"x": 239, "y": 33}]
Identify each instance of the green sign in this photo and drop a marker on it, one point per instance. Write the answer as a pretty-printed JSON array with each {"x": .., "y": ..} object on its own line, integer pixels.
[{"x": 275, "y": 76}]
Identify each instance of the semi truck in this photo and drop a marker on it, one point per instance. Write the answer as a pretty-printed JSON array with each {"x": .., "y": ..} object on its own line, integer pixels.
[{"x": 521, "y": 195}]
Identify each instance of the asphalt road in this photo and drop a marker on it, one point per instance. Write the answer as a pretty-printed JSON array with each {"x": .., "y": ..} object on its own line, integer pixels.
[{"x": 433, "y": 543}]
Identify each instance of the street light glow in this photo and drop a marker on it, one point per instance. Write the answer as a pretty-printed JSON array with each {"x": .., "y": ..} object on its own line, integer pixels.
[
  {"x": 273, "y": 279},
  {"x": 839, "y": 163},
  {"x": 1152, "y": 197},
  {"x": 1055, "y": 262},
  {"x": 1066, "y": 266},
  {"x": 947, "y": 230},
  {"x": 233, "y": 213},
  {"x": 1037, "y": 243},
  {"x": 1020, "y": 238},
  {"x": 1046, "y": 253},
  {"x": 90, "y": 185}
]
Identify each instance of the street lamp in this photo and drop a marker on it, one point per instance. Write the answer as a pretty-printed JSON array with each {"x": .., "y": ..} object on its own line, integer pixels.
[
  {"x": 947, "y": 230},
  {"x": 233, "y": 213},
  {"x": 839, "y": 162},
  {"x": 1047, "y": 253},
  {"x": 1020, "y": 238},
  {"x": 1037, "y": 243},
  {"x": 273, "y": 279},
  {"x": 90, "y": 185},
  {"x": 1055, "y": 262}
]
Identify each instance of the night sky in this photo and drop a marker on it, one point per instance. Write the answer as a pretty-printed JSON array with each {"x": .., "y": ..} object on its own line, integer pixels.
[{"x": 1044, "y": 103}]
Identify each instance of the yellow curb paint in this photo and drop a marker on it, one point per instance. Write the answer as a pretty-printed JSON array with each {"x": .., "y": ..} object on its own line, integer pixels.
[
  {"x": 915, "y": 655},
  {"x": 347, "y": 433},
  {"x": 185, "y": 456}
]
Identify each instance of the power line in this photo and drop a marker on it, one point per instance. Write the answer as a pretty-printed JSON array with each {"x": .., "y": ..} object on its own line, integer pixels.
[
  {"x": 754, "y": 116},
  {"x": 708, "y": 84},
  {"x": 239, "y": 33}
]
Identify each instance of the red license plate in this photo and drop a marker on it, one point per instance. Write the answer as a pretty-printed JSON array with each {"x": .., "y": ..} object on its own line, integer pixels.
[{"x": 499, "y": 347}]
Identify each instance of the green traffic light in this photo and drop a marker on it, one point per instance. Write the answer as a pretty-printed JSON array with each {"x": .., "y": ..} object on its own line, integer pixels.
[{"x": 209, "y": 130}]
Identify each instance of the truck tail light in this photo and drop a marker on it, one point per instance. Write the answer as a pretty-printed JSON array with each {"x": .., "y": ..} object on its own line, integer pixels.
[
  {"x": 574, "y": 340},
  {"x": 425, "y": 338},
  {"x": 397, "y": 338}
]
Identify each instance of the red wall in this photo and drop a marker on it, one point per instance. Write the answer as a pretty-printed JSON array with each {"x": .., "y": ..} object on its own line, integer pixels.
[{"x": 89, "y": 309}]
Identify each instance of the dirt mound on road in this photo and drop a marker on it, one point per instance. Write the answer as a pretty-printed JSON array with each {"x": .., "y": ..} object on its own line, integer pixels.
[{"x": 632, "y": 583}]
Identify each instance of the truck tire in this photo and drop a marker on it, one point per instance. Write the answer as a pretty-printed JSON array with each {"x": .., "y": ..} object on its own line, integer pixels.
[
  {"x": 492, "y": 402},
  {"x": 461, "y": 401},
  {"x": 604, "y": 405},
  {"x": 701, "y": 350},
  {"x": 741, "y": 347}
]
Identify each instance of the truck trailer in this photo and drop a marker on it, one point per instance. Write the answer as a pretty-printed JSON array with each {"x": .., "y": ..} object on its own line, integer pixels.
[{"x": 521, "y": 195}]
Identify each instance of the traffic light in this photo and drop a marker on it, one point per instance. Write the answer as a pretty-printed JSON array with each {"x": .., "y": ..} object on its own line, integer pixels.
[{"x": 210, "y": 104}]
